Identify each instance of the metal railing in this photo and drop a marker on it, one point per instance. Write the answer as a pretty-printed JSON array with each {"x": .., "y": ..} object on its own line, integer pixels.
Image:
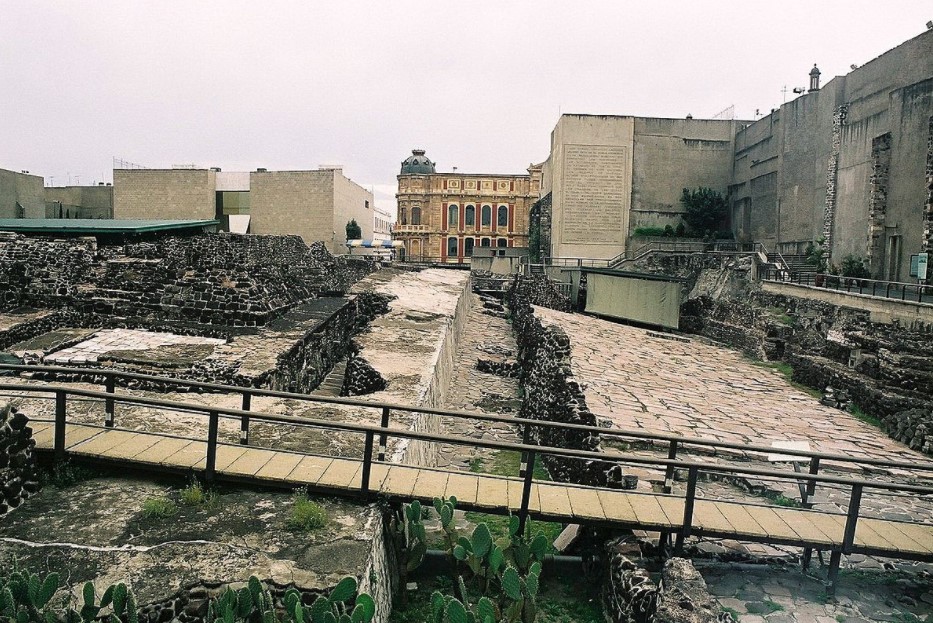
[
  {"x": 579, "y": 262},
  {"x": 530, "y": 453},
  {"x": 913, "y": 292}
]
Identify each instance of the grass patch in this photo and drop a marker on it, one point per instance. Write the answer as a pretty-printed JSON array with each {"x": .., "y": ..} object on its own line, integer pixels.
[
  {"x": 159, "y": 508},
  {"x": 506, "y": 463},
  {"x": 305, "y": 515},
  {"x": 196, "y": 495},
  {"x": 763, "y": 607},
  {"x": 781, "y": 316},
  {"x": 779, "y": 499},
  {"x": 865, "y": 417},
  {"x": 787, "y": 371}
]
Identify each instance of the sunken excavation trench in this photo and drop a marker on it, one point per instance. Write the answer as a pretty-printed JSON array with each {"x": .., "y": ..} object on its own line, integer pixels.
[{"x": 269, "y": 313}]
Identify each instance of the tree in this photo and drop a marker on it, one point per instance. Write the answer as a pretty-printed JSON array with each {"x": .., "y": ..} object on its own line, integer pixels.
[
  {"x": 704, "y": 208},
  {"x": 354, "y": 231}
]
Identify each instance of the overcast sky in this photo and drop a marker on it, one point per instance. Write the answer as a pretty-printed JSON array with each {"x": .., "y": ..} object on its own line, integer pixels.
[{"x": 479, "y": 85}]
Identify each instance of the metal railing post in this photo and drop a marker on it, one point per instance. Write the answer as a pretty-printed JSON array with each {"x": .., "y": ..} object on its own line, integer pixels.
[
  {"x": 382, "y": 436},
  {"x": 211, "y": 463},
  {"x": 59, "y": 425},
  {"x": 109, "y": 404},
  {"x": 526, "y": 441},
  {"x": 692, "y": 475},
  {"x": 811, "y": 485},
  {"x": 367, "y": 462},
  {"x": 669, "y": 471},
  {"x": 244, "y": 419},
  {"x": 526, "y": 492},
  {"x": 852, "y": 518}
]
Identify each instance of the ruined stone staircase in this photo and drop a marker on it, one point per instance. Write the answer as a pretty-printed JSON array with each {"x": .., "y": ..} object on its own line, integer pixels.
[{"x": 333, "y": 383}]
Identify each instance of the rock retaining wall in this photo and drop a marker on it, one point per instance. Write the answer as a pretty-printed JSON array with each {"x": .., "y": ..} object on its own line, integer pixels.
[
  {"x": 210, "y": 279},
  {"x": 681, "y": 596},
  {"x": 19, "y": 477},
  {"x": 550, "y": 391}
]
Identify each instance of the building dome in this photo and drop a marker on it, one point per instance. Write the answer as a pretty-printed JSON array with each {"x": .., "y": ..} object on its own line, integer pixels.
[{"x": 417, "y": 164}]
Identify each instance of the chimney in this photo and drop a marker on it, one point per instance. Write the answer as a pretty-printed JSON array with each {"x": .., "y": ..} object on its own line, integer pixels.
[{"x": 814, "y": 78}]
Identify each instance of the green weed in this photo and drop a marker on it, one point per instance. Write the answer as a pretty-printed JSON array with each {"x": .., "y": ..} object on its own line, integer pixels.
[
  {"x": 159, "y": 508},
  {"x": 861, "y": 415},
  {"x": 63, "y": 474},
  {"x": 196, "y": 495},
  {"x": 305, "y": 515}
]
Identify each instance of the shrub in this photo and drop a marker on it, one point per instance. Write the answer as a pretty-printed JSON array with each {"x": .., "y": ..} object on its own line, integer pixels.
[
  {"x": 854, "y": 266},
  {"x": 305, "y": 515},
  {"x": 648, "y": 232},
  {"x": 159, "y": 508},
  {"x": 704, "y": 209}
]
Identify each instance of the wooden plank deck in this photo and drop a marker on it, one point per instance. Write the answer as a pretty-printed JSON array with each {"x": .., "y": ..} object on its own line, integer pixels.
[{"x": 553, "y": 501}]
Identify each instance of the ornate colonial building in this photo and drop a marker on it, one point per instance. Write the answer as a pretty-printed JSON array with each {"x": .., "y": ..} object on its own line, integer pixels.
[{"x": 443, "y": 216}]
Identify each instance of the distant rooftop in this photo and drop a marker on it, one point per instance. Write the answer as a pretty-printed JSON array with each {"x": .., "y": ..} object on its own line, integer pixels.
[{"x": 96, "y": 226}]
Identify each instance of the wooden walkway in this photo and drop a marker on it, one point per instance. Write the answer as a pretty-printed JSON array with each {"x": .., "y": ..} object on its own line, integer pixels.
[{"x": 549, "y": 501}]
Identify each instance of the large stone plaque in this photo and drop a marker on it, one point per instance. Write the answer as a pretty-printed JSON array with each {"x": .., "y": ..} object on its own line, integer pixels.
[{"x": 595, "y": 185}]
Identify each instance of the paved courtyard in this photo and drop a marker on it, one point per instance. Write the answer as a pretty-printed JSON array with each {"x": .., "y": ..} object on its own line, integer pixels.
[{"x": 685, "y": 386}]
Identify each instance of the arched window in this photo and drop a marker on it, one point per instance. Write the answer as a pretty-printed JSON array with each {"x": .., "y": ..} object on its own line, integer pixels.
[
  {"x": 468, "y": 247},
  {"x": 416, "y": 216},
  {"x": 403, "y": 216},
  {"x": 484, "y": 242},
  {"x": 451, "y": 247},
  {"x": 453, "y": 217},
  {"x": 469, "y": 216},
  {"x": 486, "y": 219},
  {"x": 503, "y": 219},
  {"x": 502, "y": 242}
]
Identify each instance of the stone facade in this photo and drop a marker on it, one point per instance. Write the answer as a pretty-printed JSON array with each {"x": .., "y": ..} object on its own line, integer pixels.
[
  {"x": 608, "y": 175},
  {"x": 442, "y": 216},
  {"x": 170, "y": 194},
  {"x": 811, "y": 168},
  {"x": 21, "y": 195},
  {"x": 315, "y": 205},
  {"x": 79, "y": 201}
]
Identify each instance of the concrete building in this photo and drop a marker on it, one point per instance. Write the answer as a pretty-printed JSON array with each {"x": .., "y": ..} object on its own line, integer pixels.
[
  {"x": 443, "y": 216},
  {"x": 81, "y": 202},
  {"x": 315, "y": 204},
  {"x": 21, "y": 195},
  {"x": 850, "y": 162},
  {"x": 608, "y": 175}
]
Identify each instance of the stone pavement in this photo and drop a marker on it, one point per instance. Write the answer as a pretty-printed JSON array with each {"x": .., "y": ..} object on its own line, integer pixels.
[
  {"x": 483, "y": 337},
  {"x": 780, "y": 594},
  {"x": 110, "y": 340},
  {"x": 639, "y": 380}
]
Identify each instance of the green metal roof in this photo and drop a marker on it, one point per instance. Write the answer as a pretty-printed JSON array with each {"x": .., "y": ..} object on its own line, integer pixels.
[{"x": 96, "y": 225}]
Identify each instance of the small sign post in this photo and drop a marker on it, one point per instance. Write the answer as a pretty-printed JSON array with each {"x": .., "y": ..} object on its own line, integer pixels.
[{"x": 922, "y": 266}]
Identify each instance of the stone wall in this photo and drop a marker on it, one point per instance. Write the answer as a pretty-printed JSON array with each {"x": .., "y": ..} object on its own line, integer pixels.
[
  {"x": 681, "y": 595},
  {"x": 434, "y": 393},
  {"x": 220, "y": 279},
  {"x": 19, "y": 476},
  {"x": 550, "y": 391}
]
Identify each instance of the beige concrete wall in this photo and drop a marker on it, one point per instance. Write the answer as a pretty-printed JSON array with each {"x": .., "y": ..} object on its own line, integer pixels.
[
  {"x": 79, "y": 202},
  {"x": 164, "y": 194},
  {"x": 351, "y": 201},
  {"x": 782, "y": 179},
  {"x": 24, "y": 189},
  {"x": 590, "y": 170},
  {"x": 673, "y": 154},
  {"x": 294, "y": 202}
]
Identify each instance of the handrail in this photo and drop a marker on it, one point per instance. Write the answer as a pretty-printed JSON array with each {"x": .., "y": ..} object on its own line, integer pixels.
[
  {"x": 607, "y": 432},
  {"x": 461, "y": 440},
  {"x": 683, "y": 528},
  {"x": 879, "y": 288}
]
